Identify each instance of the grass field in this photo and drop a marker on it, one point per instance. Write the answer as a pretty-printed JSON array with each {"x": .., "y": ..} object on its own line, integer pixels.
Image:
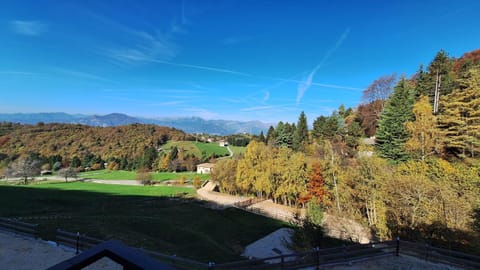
[
  {"x": 131, "y": 175},
  {"x": 237, "y": 150},
  {"x": 140, "y": 216},
  {"x": 199, "y": 149}
]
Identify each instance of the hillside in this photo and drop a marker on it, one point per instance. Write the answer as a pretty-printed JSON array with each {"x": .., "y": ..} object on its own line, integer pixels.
[{"x": 67, "y": 141}]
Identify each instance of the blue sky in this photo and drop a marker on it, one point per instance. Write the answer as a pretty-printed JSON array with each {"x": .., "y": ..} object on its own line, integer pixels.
[{"x": 242, "y": 60}]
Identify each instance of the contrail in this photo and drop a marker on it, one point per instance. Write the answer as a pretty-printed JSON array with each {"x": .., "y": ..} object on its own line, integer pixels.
[{"x": 305, "y": 85}]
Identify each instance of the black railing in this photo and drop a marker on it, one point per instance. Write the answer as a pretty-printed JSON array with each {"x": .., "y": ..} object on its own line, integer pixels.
[{"x": 19, "y": 227}]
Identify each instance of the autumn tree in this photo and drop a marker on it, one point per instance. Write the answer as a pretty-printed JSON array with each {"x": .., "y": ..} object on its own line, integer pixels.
[
  {"x": 460, "y": 122},
  {"x": 315, "y": 185},
  {"x": 424, "y": 140},
  {"x": 391, "y": 134},
  {"x": 225, "y": 174}
]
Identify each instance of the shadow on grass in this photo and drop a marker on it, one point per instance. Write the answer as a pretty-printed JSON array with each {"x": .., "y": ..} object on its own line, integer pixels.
[{"x": 154, "y": 218}]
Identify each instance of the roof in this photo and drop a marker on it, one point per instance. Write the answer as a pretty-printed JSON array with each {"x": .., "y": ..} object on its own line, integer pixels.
[{"x": 206, "y": 165}]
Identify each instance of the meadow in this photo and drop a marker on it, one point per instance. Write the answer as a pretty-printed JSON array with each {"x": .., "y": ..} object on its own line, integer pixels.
[
  {"x": 131, "y": 175},
  {"x": 199, "y": 149},
  {"x": 159, "y": 218}
]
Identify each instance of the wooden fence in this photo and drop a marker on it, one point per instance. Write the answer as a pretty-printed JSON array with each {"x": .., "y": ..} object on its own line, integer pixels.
[{"x": 18, "y": 227}]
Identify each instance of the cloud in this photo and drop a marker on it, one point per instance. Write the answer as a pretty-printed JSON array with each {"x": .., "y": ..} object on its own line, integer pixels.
[
  {"x": 257, "y": 108},
  {"x": 28, "y": 28},
  {"x": 82, "y": 75},
  {"x": 221, "y": 70},
  {"x": 19, "y": 73},
  {"x": 305, "y": 84},
  {"x": 267, "y": 96}
]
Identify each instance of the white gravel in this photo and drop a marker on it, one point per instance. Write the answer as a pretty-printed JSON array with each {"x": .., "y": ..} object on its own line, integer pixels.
[{"x": 23, "y": 253}]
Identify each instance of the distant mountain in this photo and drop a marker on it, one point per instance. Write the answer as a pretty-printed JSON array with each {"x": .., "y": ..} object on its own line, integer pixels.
[{"x": 187, "y": 124}]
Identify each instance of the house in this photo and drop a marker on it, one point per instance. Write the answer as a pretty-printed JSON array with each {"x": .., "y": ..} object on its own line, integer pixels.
[
  {"x": 205, "y": 168},
  {"x": 223, "y": 143}
]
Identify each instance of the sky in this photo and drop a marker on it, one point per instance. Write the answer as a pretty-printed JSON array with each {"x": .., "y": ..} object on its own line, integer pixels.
[{"x": 224, "y": 59}]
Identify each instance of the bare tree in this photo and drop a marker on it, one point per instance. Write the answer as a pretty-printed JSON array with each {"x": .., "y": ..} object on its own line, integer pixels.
[
  {"x": 380, "y": 89},
  {"x": 24, "y": 168},
  {"x": 67, "y": 172}
]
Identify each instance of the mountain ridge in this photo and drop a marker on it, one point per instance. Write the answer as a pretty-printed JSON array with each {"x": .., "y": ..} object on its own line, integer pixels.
[{"x": 187, "y": 124}]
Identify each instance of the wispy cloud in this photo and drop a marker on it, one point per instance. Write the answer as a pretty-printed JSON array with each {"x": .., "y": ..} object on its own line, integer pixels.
[
  {"x": 308, "y": 82},
  {"x": 19, "y": 73},
  {"x": 267, "y": 96},
  {"x": 203, "y": 113},
  {"x": 221, "y": 70},
  {"x": 82, "y": 75},
  {"x": 257, "y": 108},
  {"x": 28, "y": 28}
]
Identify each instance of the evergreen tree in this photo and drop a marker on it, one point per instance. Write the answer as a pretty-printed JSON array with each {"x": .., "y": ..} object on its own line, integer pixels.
[
  {"x": 300, "y": 138},
  {"x": 261, "y": 137},
  {"x": 271, "y": 137},
  {"x": 391, "y": 133}
]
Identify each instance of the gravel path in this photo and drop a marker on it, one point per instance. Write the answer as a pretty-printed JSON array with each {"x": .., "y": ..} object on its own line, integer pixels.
[{"x": 263, "y": 248}]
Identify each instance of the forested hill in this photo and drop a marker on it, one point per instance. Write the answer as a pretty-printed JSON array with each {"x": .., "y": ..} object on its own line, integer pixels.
[{"x": 129, "y": 142}]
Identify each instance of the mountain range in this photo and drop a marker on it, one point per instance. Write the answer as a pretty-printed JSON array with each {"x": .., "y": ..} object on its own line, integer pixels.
[{"x": 187, "y": 124}]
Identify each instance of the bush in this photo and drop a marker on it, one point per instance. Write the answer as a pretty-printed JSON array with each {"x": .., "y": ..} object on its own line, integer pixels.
[{"x": 197, "y": 182}]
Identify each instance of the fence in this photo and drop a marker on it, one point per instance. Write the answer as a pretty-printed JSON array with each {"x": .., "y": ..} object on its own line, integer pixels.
[
  {"x": 316, "y": 257},
  {"x": 80, "y": 242},
  {"x": 19, "y": 227},
  {"x": 247, "y": 203}
]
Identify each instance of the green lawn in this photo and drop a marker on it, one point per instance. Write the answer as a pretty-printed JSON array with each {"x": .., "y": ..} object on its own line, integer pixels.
[
  {"x": 237, "y": 150},
  {"x": 147, "y": 217},
  {"x": 199, "y": 149},
  {"x": 131, "y": 175}
]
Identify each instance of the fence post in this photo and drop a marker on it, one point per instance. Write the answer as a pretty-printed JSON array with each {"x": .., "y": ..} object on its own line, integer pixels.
[
  {"x": 282, "y": 262},
  {"x": 426, "y": 251},
  {"x": 174, "y": 256},
  {"x": 397, "y": 251},
  {"x": 317, "y": 253},
  {"x": 78, "y": 243}
]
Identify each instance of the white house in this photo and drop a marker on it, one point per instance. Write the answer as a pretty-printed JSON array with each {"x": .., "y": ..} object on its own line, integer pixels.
[
  {"x": 223, "y": 143},
  {"x": 205, "y": 168}
]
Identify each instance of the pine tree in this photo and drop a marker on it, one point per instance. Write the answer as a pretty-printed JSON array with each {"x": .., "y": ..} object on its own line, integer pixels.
[
  {"x": 300, "y": 138},
  {"x": 391, "y": 134}
]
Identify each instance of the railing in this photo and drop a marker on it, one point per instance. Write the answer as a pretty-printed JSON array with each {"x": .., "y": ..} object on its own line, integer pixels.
[
  {"x": 19, "y": 227},
  {"x": 80, "y": 242},
  {"x": 316, "y": 257},
  {"x": 249, "y": 202},
  {"x": 439, "y": 255}
]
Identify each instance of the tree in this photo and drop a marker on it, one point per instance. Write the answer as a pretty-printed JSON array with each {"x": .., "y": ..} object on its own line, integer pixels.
[
  {"x": 460, "y": 122},
  {"x": 315, "y": 185},
  {"x": 144, "y": 176},
  {"x": 380, "y": 89},
  {"x": 67, "y": 172},
  {"x": 300, "y": 138},
  {"x": 391, "y": 134},
  {"x": 423, "y": 131},
  {"x": 24, "y": 168},
  {"x": 261, "y": 137},
  {"x": 225, "y": 174}
]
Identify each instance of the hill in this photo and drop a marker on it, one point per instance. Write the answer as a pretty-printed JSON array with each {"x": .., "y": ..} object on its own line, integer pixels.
[
  {"x": 127, "y": 145},
  {"x": 187, "y": 124}
]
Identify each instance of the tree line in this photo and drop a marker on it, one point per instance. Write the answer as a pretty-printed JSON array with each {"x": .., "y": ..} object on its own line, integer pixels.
[{"x": 418, "y": 177}]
